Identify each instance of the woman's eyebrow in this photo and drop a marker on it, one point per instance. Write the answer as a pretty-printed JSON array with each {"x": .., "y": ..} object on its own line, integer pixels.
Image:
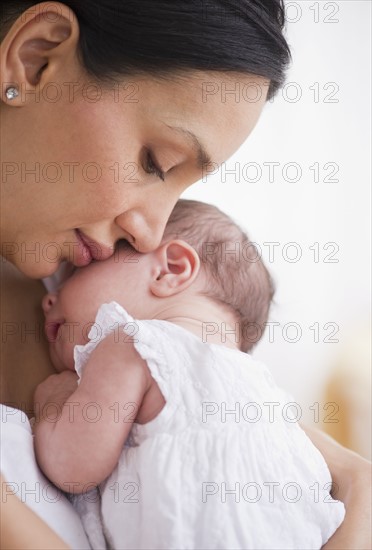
[{"x": 203, "y": 158}]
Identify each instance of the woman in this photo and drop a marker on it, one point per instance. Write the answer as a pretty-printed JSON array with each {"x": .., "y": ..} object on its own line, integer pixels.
[{"x": 110, "y": 110}]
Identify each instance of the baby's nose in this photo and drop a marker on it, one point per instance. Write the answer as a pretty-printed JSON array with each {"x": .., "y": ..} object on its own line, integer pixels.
[{"x": 48, "y": 302}]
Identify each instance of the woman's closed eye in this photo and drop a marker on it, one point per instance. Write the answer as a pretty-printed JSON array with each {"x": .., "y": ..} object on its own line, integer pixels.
[{"x": 152, "y": 168}]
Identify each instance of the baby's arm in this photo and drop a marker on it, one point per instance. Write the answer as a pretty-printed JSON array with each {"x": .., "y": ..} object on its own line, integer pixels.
[{"x": 83, "y": 445}]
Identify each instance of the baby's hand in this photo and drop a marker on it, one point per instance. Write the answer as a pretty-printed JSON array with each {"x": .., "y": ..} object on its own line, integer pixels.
[{"x": 55, "y": 389}]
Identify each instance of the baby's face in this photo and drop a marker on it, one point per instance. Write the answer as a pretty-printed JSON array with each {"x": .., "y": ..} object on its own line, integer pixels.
[{"x": 70, "y": 312}]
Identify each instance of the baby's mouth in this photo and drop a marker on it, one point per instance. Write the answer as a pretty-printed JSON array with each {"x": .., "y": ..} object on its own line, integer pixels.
[{"x": 51, "y": 329}]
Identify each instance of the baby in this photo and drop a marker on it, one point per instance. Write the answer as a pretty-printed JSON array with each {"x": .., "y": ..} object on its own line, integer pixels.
[{"x": 187, "y": 437}]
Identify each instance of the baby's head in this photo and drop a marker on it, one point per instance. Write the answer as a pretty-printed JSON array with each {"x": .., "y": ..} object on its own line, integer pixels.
[
  {"x": 205, "y": 269},
  {"x": 232, "y": 273}
]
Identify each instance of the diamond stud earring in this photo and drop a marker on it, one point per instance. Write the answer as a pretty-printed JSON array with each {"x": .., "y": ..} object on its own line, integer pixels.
[{"x": 12, "y": 93}]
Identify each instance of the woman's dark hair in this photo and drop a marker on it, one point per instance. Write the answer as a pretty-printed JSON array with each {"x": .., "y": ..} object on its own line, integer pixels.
[{"x": 159, "y": 37}]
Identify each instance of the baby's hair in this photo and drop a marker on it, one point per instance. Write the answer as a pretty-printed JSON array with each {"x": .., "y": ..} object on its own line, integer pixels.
[{"x": 235, "y": 273}]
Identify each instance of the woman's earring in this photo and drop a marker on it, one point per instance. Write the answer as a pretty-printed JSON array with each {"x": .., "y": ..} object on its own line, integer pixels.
[{"x": 12, "y": 92}]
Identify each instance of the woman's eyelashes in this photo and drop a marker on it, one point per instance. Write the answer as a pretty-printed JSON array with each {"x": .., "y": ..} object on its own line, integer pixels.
[{"x": 152, "y": 168}]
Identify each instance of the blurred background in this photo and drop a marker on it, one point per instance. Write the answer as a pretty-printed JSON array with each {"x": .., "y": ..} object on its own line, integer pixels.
[{"x": 300, "y": 186}]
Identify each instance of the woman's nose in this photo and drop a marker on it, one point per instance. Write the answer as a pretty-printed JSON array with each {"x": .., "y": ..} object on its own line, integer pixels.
[
  {"x": 151, "y": 240},
  {"x": 146, "y": 230},
  {"x": 48, "y": 302}
]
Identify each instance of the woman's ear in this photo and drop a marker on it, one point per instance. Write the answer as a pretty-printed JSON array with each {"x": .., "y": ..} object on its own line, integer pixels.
[
  {"x": 39, "y": 45},
  {"x": 178, "y": 265}
]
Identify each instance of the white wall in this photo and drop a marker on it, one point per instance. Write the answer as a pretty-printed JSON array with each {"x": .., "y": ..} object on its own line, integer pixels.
[{"x": 308, "y": 131}]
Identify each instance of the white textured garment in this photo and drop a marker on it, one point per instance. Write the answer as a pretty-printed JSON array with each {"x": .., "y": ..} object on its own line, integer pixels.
[
  {"x": 200, "y": 476},
  {"x": 26, "y": 480}
]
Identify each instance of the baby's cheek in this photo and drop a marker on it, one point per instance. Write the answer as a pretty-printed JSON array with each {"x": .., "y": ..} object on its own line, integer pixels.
[
  {"x": 57, "y": 358},
  {"x": 62, "y": 351},
  {"x": 68, "y": 357}
]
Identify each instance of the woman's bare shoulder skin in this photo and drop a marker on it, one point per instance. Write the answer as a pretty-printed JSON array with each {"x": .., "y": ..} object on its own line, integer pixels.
[{"x": 24, "y": 360}]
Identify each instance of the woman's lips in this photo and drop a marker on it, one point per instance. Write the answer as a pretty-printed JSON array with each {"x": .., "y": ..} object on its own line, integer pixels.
[
  {"x": 51, "y": 329},
  {"x": 89, "y": 250},
  {"x": 82, "y": 255}
]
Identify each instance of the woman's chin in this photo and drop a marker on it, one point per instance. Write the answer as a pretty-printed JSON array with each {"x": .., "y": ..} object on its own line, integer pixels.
[{"x": 37, "y": 270}]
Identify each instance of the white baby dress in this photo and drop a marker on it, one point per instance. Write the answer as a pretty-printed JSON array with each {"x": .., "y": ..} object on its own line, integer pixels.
[{"x": 224, "y": 465}]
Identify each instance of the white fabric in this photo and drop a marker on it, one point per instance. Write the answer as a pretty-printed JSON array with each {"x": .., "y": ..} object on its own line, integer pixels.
[
  {"x": 88, "y": 506},
  {"x": 21, "y": 472},
  {"x": 170, "y": 487}
]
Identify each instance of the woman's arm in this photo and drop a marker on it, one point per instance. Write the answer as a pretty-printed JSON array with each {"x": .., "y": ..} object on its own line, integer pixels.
[
  {"x": 33, "y": 534},
  {"x": 79, "y": 434},
  {"x": 351, "y": 475}
]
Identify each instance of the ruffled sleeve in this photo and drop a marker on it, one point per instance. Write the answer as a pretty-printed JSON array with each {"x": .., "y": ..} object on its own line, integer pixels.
[
  {"x": 152, "y": 341},
  {"x": 109, "y": 318}
]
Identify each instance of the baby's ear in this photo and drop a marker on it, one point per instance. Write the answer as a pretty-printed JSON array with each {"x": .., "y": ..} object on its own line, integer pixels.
[{"x": 178, "y": 265}]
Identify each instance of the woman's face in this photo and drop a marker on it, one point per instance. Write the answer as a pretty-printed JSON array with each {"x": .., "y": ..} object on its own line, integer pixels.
[{"x": 92, "y": 166}]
